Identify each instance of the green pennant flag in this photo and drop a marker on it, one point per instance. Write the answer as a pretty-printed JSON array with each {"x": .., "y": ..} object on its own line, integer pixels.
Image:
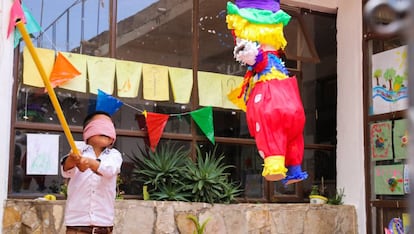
[{"x": 204, "y": 119}]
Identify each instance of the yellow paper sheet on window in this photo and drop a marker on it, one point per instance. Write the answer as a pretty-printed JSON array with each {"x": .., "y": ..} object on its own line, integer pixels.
[
  {"x": 128, "y": 77},
  {"x": 210, "y": 89},
  {"x": 101, "y": 74},
  {"x": 78, "y": 83},
  {"x": 229, "y": 83},
  {"x": 181, "y": 84},
  {"x": 31, "y": 75},
  {"x": 155, "y": 82}
]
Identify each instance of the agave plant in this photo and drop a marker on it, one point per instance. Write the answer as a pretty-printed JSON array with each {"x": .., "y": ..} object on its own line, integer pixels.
[
  {"x": 171, "y": 192},
  {"x": 208, "y": 179},
  {"x": 162, "y": 171}
]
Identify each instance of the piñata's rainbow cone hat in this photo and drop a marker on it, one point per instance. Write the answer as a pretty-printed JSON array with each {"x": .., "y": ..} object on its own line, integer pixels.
[{"x": 258, "y": 20}]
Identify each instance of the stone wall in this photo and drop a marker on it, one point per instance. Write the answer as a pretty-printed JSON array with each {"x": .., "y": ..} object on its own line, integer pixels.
[{"x": 137, "y": 216}]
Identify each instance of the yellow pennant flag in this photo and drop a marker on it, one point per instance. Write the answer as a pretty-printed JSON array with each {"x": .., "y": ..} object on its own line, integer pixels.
[
  {"x": 228, "y": 84},
  {"x": 31, "y": 75},
  {"x": 210, "y": 89},
  {"x": 155, "y": 82},
  {"x": 181, "y": 80},
  {"x": 128, "y": 77},
  {"x": 101, "y": 74}
]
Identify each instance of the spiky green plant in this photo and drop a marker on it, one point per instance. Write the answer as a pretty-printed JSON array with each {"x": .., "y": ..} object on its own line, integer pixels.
[
  {"x": 171, "y": 193},
  {"x": 162, "y": 171},
  {"x": 208, "y": 179}
]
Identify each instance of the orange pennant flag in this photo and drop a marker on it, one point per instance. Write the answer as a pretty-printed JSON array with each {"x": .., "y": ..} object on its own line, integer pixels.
[
  {"x": 155, "y": 126},
  {"x": 16, "y": 13},
  {"x": 62, "y": 71}
]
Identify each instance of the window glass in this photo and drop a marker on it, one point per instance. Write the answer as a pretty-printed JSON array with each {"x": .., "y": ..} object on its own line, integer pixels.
[
  {"x": 230, "y": 123},
  {"x": 156, "y": 33},
  {"x": 216, "y": 56},
  {"x": 318, "y": 82},
  {"x": 152, "y": 33},
  {"x": 71, "y": 25}
]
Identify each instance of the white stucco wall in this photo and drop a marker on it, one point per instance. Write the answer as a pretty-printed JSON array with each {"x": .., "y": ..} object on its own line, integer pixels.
[
  {"x": 6, "y": 77},
  {"x": 350, "y": 151},
  {"x": 350, "y": 125}
]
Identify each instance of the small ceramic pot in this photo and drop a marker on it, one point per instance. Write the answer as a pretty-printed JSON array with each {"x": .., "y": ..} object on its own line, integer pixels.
[{"x": 318, "y": 199}]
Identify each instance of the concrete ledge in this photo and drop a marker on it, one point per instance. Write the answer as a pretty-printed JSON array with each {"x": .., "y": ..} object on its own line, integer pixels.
[{"x": 137, "y": 216}]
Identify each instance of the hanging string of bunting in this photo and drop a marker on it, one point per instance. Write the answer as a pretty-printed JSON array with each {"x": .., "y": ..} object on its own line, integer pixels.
[
  {"x": 63, "y": 71},
  {"x": 156, "y": 122}
]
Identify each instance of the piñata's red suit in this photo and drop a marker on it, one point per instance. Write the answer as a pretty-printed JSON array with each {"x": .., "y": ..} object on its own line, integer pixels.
[{"x": 270, "y": 97}]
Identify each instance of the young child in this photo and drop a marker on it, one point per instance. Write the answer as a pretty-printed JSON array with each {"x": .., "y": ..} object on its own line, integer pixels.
[{"x": 90, "y": 204}]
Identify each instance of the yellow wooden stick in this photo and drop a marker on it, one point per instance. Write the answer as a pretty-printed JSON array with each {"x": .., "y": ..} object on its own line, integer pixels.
[{"x": 50, "y": 90}]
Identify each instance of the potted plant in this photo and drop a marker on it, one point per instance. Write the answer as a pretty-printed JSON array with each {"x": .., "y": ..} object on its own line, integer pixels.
[
  {"x": 317, "y": 195},
  {"x": 337, "y": 198}
]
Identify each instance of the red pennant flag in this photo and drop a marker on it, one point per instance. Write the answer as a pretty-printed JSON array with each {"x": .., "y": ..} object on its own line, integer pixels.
[
  {"x": 16, "y": 13},
  {"x": 62, "y": 71},
  {"x": 155, "y": 126}
]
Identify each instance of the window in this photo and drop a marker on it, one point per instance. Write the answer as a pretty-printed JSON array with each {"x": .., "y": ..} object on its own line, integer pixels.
[{"x": 178, "y": 35}]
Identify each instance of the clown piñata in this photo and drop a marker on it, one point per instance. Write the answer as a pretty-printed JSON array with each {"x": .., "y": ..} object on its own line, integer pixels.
[{"x": 270, "y": 97}]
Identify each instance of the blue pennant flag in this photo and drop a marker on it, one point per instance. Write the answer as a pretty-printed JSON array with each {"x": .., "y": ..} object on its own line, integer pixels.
[{"x": 107, "y": 103}]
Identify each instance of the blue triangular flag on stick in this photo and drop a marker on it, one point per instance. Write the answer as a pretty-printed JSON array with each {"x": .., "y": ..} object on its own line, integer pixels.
[{"x": 107, "y": 103}]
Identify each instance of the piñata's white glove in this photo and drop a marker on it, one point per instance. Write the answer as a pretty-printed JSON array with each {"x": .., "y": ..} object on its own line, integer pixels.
[{"x": 246, "y": 51}]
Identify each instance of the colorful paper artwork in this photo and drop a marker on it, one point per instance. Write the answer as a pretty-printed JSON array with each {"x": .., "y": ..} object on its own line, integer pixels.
[
  {"x": 389, "y": 179},
  {"x": 400, "y": 138},
  {"x": 381, "y": 140},
  {"x": 42, "y": 154},
  {"x": 389, "y": 81}
]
